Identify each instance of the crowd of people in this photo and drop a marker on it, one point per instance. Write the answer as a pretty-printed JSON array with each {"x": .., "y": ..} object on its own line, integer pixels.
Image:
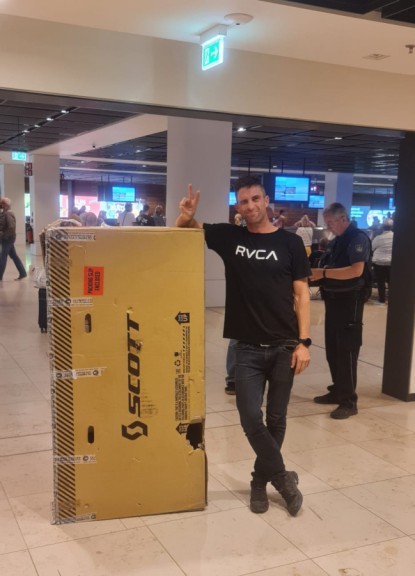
[{"x": 125, "y": 218}]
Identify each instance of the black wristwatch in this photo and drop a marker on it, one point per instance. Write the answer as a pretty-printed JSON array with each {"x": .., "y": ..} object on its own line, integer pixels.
[{"x": 305, "y": 342}]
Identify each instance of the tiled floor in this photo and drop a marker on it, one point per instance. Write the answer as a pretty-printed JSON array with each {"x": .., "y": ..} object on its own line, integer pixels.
[{"x": 358, "y": 476}]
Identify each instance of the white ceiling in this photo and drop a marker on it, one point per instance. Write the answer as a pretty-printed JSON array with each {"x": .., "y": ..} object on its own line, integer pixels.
[{"x": 276, "y": 29}]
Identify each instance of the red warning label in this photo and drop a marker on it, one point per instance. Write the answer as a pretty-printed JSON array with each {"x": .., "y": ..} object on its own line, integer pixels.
[{"x": 93, "y": 280}]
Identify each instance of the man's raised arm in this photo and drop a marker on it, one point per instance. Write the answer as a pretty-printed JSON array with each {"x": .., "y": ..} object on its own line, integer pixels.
[{"x": 187, "y": 207}]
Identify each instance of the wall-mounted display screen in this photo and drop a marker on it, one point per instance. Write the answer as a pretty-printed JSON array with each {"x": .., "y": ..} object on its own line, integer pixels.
[
  {"x": 359, "y": 214},
  {"x": 291, "y": 188},
  {"x": 364, "y": 215},
  {"x": 232, "y": 198},
  {"x": 316, "y": 201},
  {"x": 123, "y": 194}
]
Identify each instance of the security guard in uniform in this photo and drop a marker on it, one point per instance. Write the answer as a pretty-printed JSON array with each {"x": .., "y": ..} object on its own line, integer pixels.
[{"x": 344, "y": 289}]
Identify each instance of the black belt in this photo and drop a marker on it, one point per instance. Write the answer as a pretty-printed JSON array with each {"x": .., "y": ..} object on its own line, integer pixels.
[{"x": 273, "y": 345}]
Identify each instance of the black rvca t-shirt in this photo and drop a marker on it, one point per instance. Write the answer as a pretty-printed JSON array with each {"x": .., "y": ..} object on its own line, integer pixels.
[{"x": 260, "y": 270}]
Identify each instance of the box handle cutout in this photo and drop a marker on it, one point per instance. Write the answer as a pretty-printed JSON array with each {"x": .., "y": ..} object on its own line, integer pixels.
[
  {"x": 91, "y": 434},
  {"x": 194, "y": 435},
  {"x": 88, "y": 323}
]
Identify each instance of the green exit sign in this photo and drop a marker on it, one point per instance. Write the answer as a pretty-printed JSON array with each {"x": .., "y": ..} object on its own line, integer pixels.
[
  {"x": 212, "y": 53},
  {"x": 19, "y": 156}
]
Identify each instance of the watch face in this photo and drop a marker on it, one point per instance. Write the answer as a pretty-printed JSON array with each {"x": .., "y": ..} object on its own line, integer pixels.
[{"x": 305, "y": 341}]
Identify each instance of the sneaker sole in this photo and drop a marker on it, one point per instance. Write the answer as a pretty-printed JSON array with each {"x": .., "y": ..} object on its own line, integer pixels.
[
  {"x": 342, "y": 416},
  {"x": 259, "y": 508}
]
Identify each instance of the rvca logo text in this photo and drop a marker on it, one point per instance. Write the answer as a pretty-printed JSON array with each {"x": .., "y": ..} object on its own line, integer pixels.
[{"x": 257, "y": 254}]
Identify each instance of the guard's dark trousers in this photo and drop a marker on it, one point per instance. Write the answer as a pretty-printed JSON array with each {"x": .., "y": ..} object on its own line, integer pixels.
[{"x": 343, "y": 332}]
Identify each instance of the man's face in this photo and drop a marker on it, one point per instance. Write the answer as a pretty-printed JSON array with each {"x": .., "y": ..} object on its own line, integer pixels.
[
  {"x": 336, "y": 224},
  {"x": 252, "y": 204}
]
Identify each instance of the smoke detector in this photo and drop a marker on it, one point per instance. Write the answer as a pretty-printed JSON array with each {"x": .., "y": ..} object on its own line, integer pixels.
[{"x": 237, "y": 19}]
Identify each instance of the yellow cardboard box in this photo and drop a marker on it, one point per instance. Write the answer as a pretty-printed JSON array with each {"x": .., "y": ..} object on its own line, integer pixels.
[{"x": 126, "y": 327}]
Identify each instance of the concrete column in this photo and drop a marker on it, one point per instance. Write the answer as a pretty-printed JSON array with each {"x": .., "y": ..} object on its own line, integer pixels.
[
  {"x": 199, "y": 152},
  {"x": 339, "y": 188},
  {"x": 71, "y": 196},
  {"x": 399, "y": 362},
  {"x": 12, "y": 186},
  {"x": 44, "y": 188}
]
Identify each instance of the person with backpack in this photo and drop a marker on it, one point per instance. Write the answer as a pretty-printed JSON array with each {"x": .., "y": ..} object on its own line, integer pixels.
[{"x": 345, "y": 277}]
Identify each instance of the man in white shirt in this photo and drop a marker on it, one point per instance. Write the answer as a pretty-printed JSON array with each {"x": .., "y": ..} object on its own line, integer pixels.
[
  {"x": 382, "y": 258},
  {"x": 127, "y": 217}
]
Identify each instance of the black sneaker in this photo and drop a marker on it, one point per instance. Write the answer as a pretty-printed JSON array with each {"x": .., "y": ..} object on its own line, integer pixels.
[
  {"x": 343, "y": 412},
  {"x": 230, "y": 388},
  {"x": 287, "y": 487},
  {"x": 259, "y": 499},
  {"x": 328, "y": 398}
]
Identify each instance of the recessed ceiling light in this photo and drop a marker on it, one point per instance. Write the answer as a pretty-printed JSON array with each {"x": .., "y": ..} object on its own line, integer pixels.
[
  {"x": 37, "y": 126},
  {"x": 49, "y": 119},
  {"x": 241, "y": 129},
  {"x": 338, "y": 137},
  {"x": 376, "y": 56},
  {"x": 63, "y": 111}
]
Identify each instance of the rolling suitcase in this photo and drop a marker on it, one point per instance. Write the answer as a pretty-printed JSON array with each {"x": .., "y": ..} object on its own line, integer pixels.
[{"x": 43, "y": 311}]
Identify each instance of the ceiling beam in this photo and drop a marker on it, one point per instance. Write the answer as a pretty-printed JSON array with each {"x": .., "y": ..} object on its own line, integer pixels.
[
  {"x": 398, "y": 7},
  {"x": 123, "y": 131},
  {"x": 350, "y": 6}
]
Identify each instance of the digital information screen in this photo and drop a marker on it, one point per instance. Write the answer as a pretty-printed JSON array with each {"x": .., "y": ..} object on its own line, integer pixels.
[
  {"x": 123, "y": 194},
  {"x": 364, "y": 215},
  {"x": 316, "y": 201},
  {"x": 291, "y": 189}
]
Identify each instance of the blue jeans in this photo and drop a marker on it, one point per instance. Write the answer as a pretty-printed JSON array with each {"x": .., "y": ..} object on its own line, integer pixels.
[
  {"x": 254, "y": 366},
  {"x": 8, "y": 249}
]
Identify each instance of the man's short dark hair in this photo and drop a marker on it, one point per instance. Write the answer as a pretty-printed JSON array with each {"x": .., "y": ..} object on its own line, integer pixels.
[
  {"x": 335, "y": 209},
  {"x": 247, "y": 182}
]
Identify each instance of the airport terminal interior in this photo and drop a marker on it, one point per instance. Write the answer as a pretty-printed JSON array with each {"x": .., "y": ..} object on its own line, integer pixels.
[
  {"x": 357, "y": 475},
  {"x": 312, "y": 90}
]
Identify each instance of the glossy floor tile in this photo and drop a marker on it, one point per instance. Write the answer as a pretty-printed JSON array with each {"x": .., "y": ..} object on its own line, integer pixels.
[
  {"x": 357, "y": 475},
  {"x": 330, "y": 522},
  {"x": 392, "y": 558},
  {"x": 232, "y": 543}
]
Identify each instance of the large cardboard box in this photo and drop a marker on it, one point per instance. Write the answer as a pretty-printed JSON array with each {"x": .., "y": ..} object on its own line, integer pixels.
[{"x": 126, "y": 326}]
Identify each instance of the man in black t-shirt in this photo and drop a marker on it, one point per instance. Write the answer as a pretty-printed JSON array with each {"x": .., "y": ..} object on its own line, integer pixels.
[
  {"x": 344, "y": 276},
  {"x": 144, "y": 218},
  {"x": 267, "y": 311}
]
